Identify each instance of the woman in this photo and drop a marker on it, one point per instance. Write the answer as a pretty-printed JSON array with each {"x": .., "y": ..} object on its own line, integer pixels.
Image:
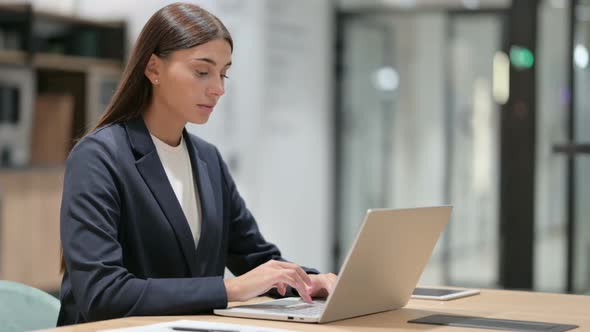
[{"x": 150, "y": 215}]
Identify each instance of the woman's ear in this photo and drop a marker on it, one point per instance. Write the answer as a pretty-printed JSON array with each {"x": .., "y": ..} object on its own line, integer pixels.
[{"x": 152, "y": 70}]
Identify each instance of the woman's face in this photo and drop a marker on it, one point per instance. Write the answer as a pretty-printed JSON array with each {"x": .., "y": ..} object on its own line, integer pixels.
[{"x": 189, "y": 83}]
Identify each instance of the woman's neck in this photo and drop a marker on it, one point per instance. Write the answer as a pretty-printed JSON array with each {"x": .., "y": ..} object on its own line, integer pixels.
[{"x": 162, "y": 124}]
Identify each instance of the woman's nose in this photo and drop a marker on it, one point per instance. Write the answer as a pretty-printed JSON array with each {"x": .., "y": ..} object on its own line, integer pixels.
[{"x": 217, "y": 87}]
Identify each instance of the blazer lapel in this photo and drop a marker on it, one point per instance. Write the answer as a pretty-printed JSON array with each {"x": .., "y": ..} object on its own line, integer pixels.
[
  {"x": 150, "y": 167},
  {"x": 208, "y": 211}
]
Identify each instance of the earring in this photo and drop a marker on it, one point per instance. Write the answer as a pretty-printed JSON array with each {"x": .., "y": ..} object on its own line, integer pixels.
[{"x": 157, "y": 81}]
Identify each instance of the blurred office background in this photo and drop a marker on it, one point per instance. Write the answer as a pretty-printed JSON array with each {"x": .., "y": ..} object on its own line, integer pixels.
[{"x": 332, "y": 108}]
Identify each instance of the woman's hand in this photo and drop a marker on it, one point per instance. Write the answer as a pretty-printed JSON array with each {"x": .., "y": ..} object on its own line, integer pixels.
[
  {"x": 322, "y": 285},
  {"x": 266, "y": 276}
]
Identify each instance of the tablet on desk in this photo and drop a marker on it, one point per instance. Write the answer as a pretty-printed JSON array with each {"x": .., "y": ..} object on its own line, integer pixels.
[{"x": 442, "y": 294}]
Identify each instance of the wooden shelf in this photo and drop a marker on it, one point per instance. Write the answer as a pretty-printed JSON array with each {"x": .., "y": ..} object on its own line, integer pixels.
[
  {"x": 78, "y": 20},
  {"x": 29, "y": 227},
  {"x": 72, "y": 63},
  {"x": 55, "y": 54},
  {"x": 58, "y": 61},
  {"x": 13, "y": 57},
  {"x": 16, "y": 8}
]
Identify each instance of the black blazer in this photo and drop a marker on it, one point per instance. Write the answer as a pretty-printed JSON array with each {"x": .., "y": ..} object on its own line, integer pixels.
[{"x": 127, "y": 245}]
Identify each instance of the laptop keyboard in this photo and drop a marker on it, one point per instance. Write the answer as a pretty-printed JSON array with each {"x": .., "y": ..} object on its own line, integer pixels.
[
  {"x": 290, "y": 306},
  {"x": 301, "y": 309}
]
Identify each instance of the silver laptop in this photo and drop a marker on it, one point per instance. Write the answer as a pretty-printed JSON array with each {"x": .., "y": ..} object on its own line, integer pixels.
[{"x": 379, "y": 273}]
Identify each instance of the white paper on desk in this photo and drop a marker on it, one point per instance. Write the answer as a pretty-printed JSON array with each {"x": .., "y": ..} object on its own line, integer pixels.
[{"x": 197, "y": 325}]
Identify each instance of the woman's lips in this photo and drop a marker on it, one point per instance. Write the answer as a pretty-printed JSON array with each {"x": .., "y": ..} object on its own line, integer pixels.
[{"x": 206, "y": 108}]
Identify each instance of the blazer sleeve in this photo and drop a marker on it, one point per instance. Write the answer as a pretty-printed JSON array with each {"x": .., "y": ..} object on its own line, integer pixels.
[
  {"x": 247, "y": 248},
  {"x": 102, "y": 287}
]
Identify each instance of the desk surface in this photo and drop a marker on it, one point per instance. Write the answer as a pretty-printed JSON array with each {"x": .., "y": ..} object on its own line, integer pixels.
[{"x": 541, "y": 307}]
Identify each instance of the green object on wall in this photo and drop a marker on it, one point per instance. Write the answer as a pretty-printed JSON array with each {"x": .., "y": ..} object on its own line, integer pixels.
[{"x": 521, "y": 57}]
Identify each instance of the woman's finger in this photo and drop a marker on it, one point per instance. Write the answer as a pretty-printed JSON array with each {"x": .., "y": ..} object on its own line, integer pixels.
[
  {"x": 291, "y": 280},
  {"x": 281, "y": 288},
  {"x": 306, "y": 279}
]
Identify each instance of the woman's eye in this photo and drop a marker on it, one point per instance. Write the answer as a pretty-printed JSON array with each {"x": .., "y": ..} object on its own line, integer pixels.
[
  {"x": 202, "y": 73},
  {"x": 224, "y": 76}
]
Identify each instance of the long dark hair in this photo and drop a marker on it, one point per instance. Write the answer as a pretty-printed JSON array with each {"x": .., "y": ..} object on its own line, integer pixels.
[{"x": 175, "y": 27}]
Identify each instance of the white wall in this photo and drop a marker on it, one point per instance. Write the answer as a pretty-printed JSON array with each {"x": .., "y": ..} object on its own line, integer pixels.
[{"x": 273, "y": 127}]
